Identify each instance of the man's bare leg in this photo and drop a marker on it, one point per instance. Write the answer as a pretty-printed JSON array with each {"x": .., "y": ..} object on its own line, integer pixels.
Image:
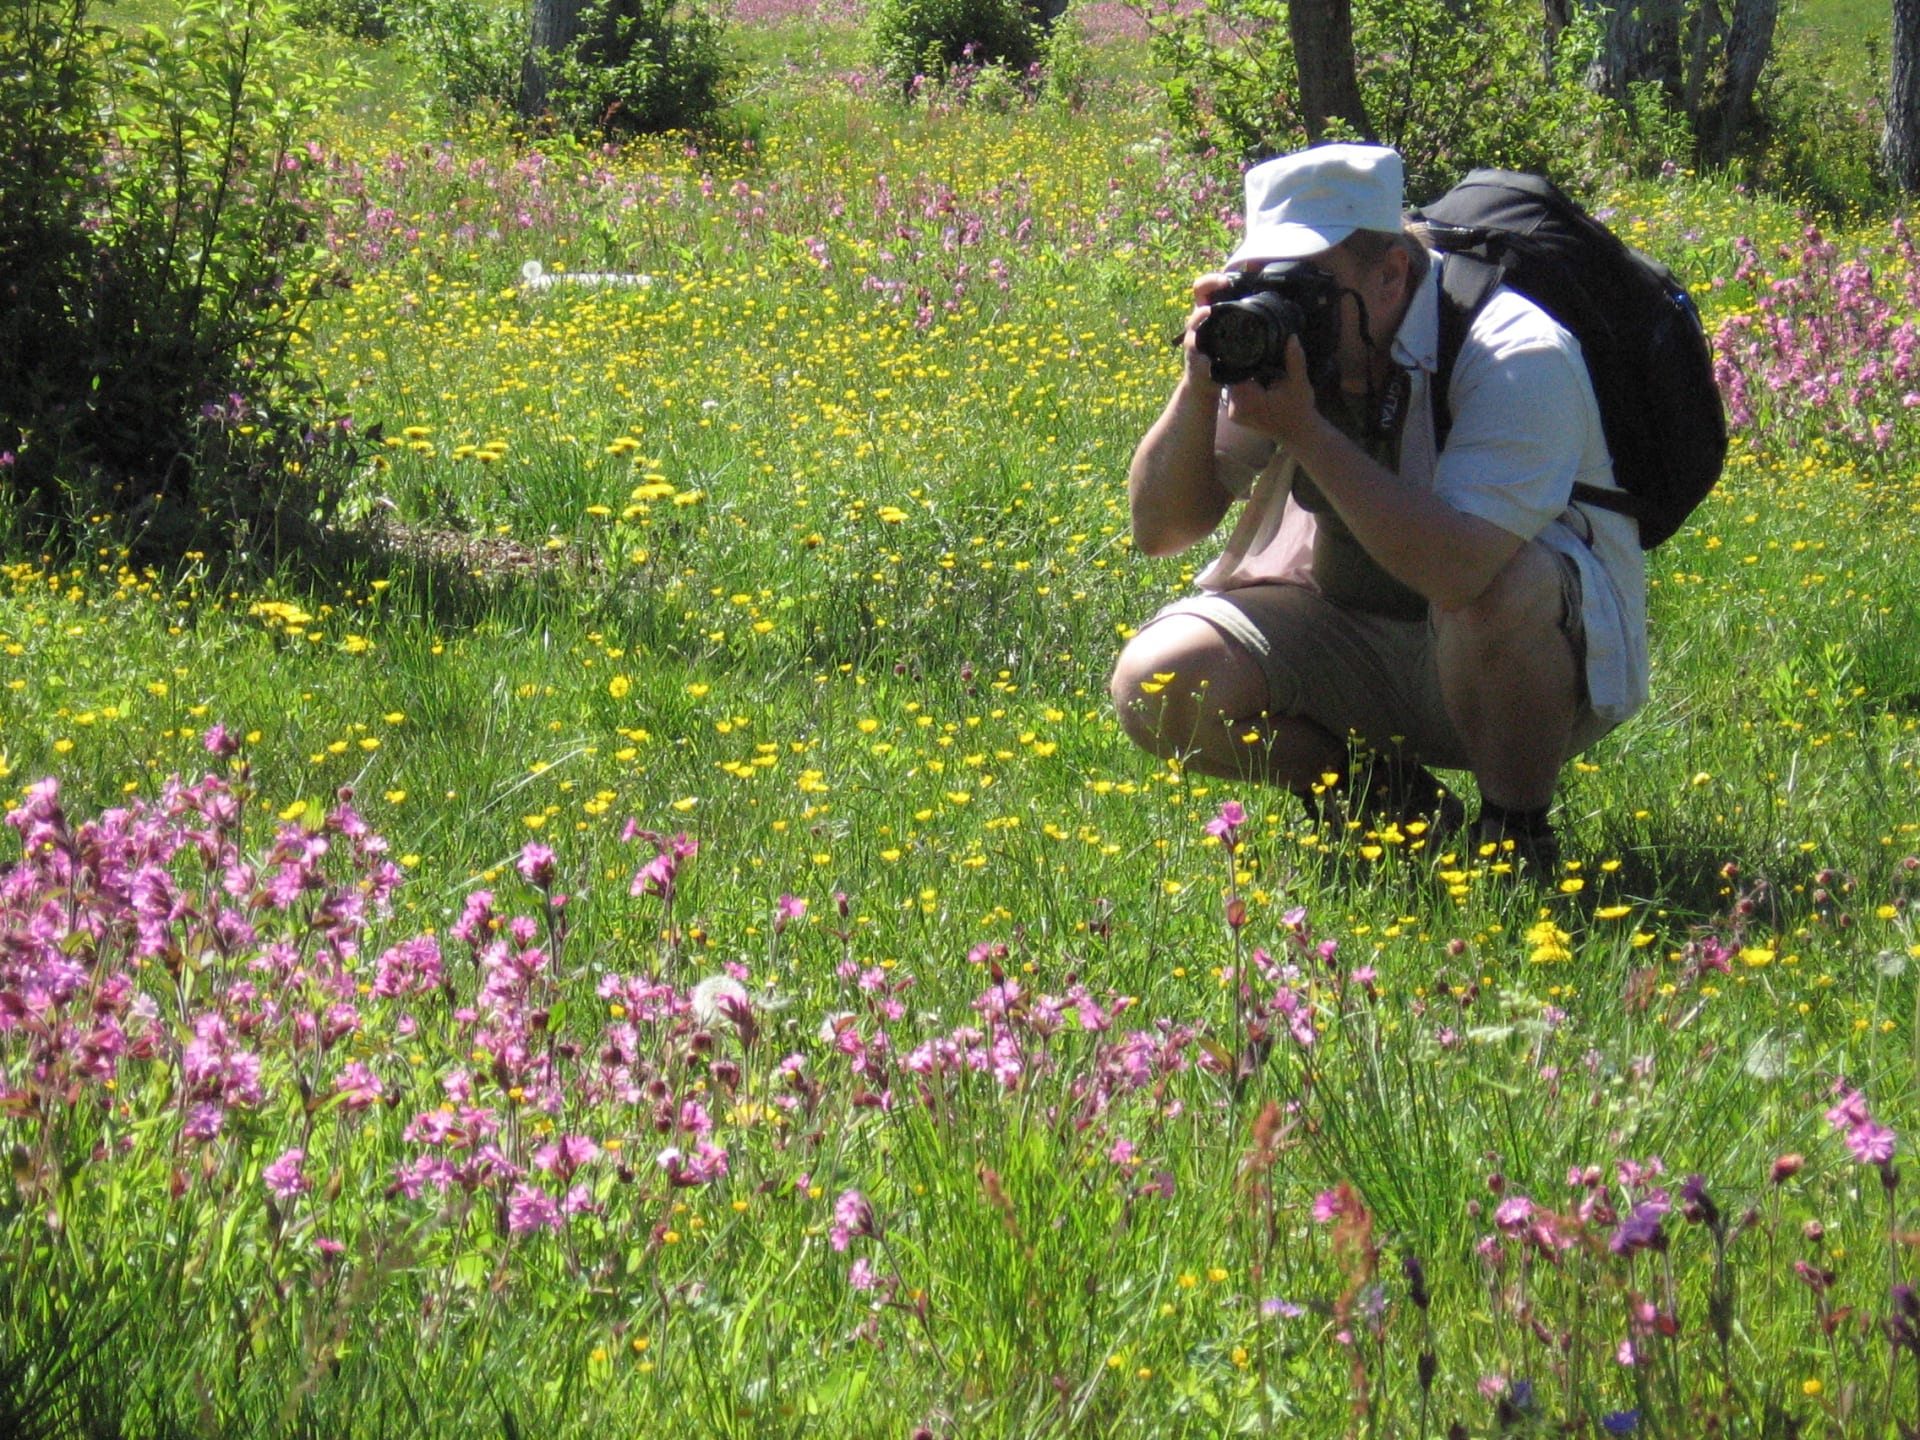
[
  {"x": 1507, "y": 675},
  {"x": 1183, "y": 690}
]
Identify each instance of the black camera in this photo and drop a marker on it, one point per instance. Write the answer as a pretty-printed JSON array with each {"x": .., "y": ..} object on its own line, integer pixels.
[{"x": 1246, "y": 331}]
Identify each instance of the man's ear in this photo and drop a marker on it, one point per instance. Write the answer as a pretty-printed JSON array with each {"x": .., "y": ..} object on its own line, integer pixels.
[{"x": 1396, "y": 274}]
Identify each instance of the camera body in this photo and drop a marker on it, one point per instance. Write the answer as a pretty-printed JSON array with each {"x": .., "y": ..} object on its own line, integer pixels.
[{"x": 1248, "y": 325}]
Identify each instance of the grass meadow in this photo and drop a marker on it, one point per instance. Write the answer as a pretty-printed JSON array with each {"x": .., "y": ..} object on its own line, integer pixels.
[{"x": 672, "y": 936}]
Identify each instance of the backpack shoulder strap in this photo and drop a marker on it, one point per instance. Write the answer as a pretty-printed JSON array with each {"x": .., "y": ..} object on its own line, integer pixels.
[{"x": 1466, "y": 280}]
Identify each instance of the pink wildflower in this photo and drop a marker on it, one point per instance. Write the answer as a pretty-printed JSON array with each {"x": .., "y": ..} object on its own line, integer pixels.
[{"x": 283, "y": 1178}]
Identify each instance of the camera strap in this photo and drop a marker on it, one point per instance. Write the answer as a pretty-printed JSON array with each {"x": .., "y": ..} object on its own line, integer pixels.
[
  {"x": 1391, "y": 412},
  {"x": 1388, "y": 407}
]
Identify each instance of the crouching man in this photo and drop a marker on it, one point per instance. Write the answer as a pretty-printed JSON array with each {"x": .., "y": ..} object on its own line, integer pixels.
[{"x": 1436, "y": 606}]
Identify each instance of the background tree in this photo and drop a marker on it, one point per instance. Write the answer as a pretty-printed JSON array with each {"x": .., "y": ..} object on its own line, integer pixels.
[
  {"x": 1719, "y": 118},
  {"x": 1322, "y": 34},
  {"x": 1704, "y": 68},
  {"x": 1901, "y": 144},
  {"x": 1449, "y": 83},
  {"x": 554, "y": 27},
  {"x": 1574, "y": 87},
  {"x": 1640, "y": 44},
  {"x": 611, "y": 67}
]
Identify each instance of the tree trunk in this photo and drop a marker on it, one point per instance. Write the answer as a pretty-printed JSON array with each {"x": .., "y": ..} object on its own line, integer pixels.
[
  {"x": 1749, "y": 43},
  {"x": 555, "y": 25},
  {"x": 1322, "y": 33},
  {"x": 1901, "y": 144},
  {"x": 1709, "y": 41},
  {"x": 1556, "y": 15},
  {"x": 1612, "y": 67},
  {"x": 1641, "y": 42}
]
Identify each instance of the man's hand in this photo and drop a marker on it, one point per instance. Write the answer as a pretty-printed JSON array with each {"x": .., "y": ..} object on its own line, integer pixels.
[
  {"x": 1199, "y": 367},
  {"x": 1285, "y": 410}
]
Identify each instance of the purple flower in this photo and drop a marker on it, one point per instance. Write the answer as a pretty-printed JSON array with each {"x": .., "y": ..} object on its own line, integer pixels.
[
  {"x": 1695, "y": 1204},
  {"x": 531, "y": 1208},
  {"x": 852, "y": 1216},
  {"x": 536, "y": 864},
  {"x": 1514, "y": 1214},
  {"x": 789, "y": 909},
  {"x": 1641, "y": 1229},
  {"x": 1903, "y": 1325},
  {"x": 1849, "y": 1111},
  {"x": 656, "y": 877},
  {"x": 358, "y": 1087},
  {"x": 283, "y": 1178},
  {"x": 1871, "y": 1144},
  {"x": 1226, "y": 825}
]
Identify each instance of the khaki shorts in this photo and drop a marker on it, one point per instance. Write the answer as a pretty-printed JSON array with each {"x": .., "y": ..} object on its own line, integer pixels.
[{"x": 1352, "y": 673}]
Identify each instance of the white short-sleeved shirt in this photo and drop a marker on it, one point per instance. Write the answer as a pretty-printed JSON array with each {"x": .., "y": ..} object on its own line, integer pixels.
[{"x": 1526, "y": 428}]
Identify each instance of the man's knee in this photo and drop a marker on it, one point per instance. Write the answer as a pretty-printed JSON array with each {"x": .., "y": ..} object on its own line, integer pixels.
[
  {"x": 1123, "y": 688},
  {"x": 1171, "y": 681},
  {"x": 1154, "y": 705}
]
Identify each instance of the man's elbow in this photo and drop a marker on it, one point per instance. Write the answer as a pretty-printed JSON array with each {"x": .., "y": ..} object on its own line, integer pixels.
[
  {"x": 1159, "y": 541},
  {"x": 1470, "y": 585},
  {"x": 1454, "y": 594}
]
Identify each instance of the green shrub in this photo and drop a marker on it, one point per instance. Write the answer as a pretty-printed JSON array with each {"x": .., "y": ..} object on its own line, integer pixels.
[
  {"x": 1450, "y": 83},
  {"x": 472, "y": 49},
  {"x": 995, "y": 90},
  {"x": 930, "y": 38},
  {"x": 162, "y": 245},
  {"x": 642, "y": 67},
  {"x": 637, "y": 67},
  {"x": 1066, "y": 62},
  {"x": 355, "y": 19},
  {"x": 1811, "y": 138}
]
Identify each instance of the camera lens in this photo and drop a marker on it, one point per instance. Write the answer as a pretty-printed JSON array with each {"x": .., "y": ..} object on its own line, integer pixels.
[
  {"x": 1247, "y": 339},
  {"x": 1235, "y": 337}
]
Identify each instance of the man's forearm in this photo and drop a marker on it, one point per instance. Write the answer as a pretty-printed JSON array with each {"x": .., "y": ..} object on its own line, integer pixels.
[
  {"x": 1446, "y": 555},
  {"x": 1174, "y": 494}
]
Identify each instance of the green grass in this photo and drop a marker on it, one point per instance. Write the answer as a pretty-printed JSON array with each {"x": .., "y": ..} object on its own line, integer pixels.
[{"x": 765, "y": 554}]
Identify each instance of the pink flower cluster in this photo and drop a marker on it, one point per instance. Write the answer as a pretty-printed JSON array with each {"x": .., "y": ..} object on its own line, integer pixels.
[
  {"x": 1867, "y": 1141},
  {"x": 1830, "y": 346}
]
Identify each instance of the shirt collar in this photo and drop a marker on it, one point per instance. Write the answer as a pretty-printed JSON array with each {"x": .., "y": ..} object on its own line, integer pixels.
[{"x": 1416, "y": 344}]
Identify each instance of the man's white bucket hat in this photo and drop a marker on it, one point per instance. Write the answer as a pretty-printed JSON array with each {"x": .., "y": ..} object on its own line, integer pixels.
[{"x": 1301, "y": 204}]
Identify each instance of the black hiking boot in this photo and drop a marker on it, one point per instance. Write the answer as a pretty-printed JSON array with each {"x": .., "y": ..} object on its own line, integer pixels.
[
  {"x": 1385, "y": 794},
  {"x": 1524, "y": 844}
]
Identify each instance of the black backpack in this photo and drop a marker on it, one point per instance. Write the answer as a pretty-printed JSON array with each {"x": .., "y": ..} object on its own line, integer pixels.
[{"x": 1646, "y": 351}]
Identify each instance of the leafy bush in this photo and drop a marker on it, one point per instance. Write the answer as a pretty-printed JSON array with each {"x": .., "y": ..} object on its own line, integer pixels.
[
  {"x": 161, "y": 245},
  {"x": 1812, "y": 138},
  {"x": 355, "y": 19},
  {"x": 641, "y": 67},
  {"x": 1451, "y": 85},
  {"x": 472, "y": 48},
  {"x": 995, "y": 90},
  {"x": 1066, "y": 61},
  {"x": 637, "y": 66},
  {"x": 932, "y": 37}
]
